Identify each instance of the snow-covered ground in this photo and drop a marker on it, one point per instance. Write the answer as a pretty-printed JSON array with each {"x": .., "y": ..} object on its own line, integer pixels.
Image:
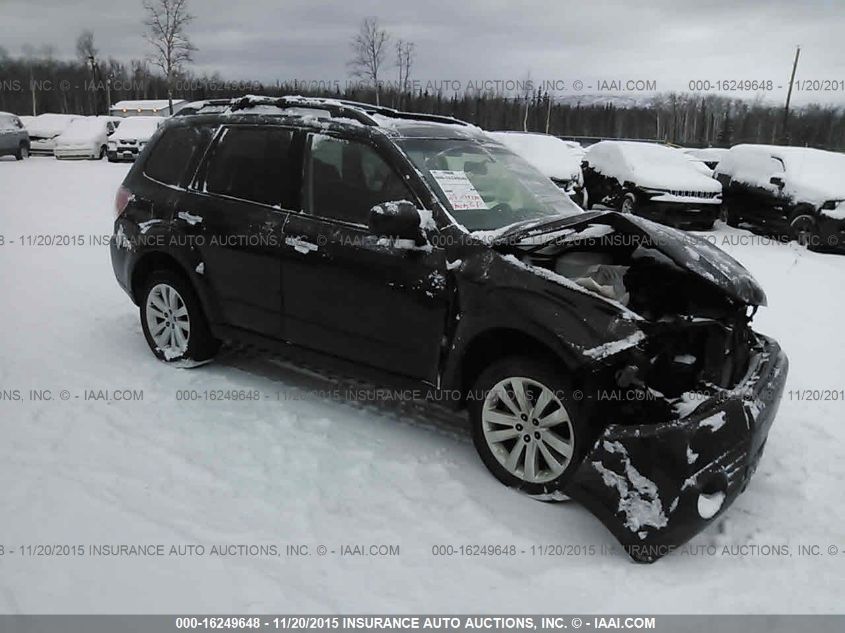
[{"x": 316, "y": 471}]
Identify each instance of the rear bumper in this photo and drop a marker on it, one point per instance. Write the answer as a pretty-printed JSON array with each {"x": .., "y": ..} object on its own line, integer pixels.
[
  {"x": 655, "y": 486},
  {"x": 86, "y": 152}
]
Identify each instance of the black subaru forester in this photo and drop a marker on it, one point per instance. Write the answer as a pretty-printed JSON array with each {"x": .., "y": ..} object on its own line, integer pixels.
[{"x": 601, "y": 356}]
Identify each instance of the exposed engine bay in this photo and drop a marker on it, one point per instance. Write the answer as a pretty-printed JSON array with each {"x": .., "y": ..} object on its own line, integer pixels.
[{"x": 698, "y": 335}]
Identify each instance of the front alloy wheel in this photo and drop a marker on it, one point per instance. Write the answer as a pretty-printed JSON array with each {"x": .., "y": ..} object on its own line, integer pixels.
[
  {"x": 803, "y": 229},
  {"x": 629, "y": 204},
  {"x": 528, "y": 430}
]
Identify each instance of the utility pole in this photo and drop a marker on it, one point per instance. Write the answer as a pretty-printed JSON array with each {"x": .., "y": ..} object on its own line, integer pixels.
[{"x": 789, "y": 97}]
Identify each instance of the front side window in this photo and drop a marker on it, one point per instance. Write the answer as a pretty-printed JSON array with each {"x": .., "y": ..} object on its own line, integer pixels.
[
  {"x": 252, "y": 163},
  {"x": 345, "y": 179},
  {"x": 485, "y": 186}
]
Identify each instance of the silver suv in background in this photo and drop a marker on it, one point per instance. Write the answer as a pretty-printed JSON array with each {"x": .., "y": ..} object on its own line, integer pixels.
[{"x": 14, "y": 139}]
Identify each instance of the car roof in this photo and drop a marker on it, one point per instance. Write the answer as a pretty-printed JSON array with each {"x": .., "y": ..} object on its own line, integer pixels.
[{"x": 334, "y": 114}]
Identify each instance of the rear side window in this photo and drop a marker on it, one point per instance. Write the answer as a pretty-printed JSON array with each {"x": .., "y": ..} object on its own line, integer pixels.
[
  {"x": 345, "y": 179},
  {"x": 252, "y": 163},
  {"x": 7, "y": 123},
  {"x": 176, "y": 154}
]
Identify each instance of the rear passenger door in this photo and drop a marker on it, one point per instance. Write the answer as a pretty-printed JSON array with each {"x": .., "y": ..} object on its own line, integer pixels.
[
  {"x": 347, "y": 292},
  {"x": 235, "y": 209}
]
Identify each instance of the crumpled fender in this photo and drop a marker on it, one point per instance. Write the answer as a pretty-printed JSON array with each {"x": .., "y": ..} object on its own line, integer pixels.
[{"x": 655, "y": 486}]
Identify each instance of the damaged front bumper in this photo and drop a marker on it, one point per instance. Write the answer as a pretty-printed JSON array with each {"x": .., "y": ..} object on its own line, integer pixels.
[{"x": 655, "y": 486}]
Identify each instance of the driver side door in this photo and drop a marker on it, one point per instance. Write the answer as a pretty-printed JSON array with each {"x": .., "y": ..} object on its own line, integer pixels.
[{"x": 349, "y": 293}]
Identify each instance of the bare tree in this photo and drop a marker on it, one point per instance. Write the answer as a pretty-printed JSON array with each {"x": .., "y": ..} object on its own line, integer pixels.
[
  {"x": 85, "y": 49},
  {"x": 166, "y": 22},
  {"x": 369, "y": 48},
  {"x": 404, "y": 61}
]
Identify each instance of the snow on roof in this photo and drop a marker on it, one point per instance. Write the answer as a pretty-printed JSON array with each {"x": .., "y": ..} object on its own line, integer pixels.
[
  {"x": 554, "y": 157},
  {"x": 145, "y": 104},
  {"x": 649, "y": 165},
  {"x": 809, "y": 175}
]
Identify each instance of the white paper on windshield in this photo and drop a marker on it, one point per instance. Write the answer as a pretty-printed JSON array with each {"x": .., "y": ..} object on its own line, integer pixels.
[{"x": 460, "y": 192}]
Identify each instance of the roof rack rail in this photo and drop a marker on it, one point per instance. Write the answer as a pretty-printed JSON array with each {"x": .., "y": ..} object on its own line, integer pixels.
[
  {"x": 332, "y": 106},
  {"x": 370, "y": 108}
]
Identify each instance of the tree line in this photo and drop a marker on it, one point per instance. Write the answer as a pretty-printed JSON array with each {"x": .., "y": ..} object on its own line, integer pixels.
[{"x": 38, "y": 82}]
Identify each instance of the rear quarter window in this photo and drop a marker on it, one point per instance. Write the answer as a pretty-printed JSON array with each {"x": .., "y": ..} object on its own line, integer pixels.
[{"x": 174, "y": 157}]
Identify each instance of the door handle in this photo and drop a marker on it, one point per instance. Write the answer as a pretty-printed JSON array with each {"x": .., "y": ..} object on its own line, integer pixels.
[{"x": 300, "y": 245}]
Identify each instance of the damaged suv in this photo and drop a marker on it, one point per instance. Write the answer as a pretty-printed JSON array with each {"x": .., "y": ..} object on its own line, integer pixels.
[{"x": 600, "y": 356}]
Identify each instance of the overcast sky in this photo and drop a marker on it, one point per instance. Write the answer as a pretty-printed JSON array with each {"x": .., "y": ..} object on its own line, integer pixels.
[{"x": 668, "y": 41}]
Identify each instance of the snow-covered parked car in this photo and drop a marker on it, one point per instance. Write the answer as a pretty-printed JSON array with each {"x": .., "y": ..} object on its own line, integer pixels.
[
  {"x": 131, "y": 137},
  {"x": 45, "y": 128},
  {"x": 558, "y": 159},
  {"x": 86, "y": 137},
  {"x": 14, "y": 139},
  {"x": 796, "y": 192},
  {"x": 652, "y": 181},
  {"x": 600, "y": 356}
]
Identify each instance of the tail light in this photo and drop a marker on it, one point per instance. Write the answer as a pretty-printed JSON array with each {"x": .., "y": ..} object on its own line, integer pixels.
[{"x": 121, "y": 199}]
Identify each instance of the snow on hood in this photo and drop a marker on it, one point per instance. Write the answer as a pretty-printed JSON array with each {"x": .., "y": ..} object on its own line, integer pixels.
[
  {"x": 649, "y": 165},
  {"x": 689, "y": 252},
  {"x": 137, "y": 128},
  {"x": 554, "y": 157},
  {"x": 811, "y": 175},
  {"x": 83, "y": 130},
  {"x": 49, "y": 124}
]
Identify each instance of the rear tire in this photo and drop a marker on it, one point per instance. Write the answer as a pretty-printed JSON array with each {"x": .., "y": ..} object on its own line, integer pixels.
[
  {"x": 535, "y": 451},
  {"x": 23, "y": 152},
  {"x": 173, "y": 321},
  {"x": 101, "y": 154},
  {"x": 629, "y": 204}
]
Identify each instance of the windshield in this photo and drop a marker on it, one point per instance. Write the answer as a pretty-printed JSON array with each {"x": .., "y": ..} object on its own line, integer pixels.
[{"x": 485, "y": 186}]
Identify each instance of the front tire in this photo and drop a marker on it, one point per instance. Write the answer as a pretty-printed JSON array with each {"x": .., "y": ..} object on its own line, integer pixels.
[
  {"x": 629, "y": 204},
  {"x": 525, "y": 425},
  {"x": 23, "y": 152},
  {"x": 173, "y": 321},
  {"x": 803, "y": 228}
]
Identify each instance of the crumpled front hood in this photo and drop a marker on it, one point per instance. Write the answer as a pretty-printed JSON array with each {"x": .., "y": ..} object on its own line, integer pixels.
[{"x": 692, "y": 253}]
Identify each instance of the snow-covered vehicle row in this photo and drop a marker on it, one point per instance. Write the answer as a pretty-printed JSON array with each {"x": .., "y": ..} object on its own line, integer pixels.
[
  {"x": 798, "y": 192},
  {"x": 423, "y": 253}
]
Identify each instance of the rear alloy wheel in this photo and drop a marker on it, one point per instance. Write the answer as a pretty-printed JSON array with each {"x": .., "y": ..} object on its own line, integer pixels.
[
  {"x": 523, "y": 431},
  {"x": 173, "y": 322},
  {"x": 23, "y": 152},
  {"x": 629, "y": 204},
  {"x": 803, "y": 229}
]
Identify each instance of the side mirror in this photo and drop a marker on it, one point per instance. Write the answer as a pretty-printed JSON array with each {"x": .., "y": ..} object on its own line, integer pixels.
[
  {"x": 777, "y": 181},
  {"x": 399, "y": 220}
]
